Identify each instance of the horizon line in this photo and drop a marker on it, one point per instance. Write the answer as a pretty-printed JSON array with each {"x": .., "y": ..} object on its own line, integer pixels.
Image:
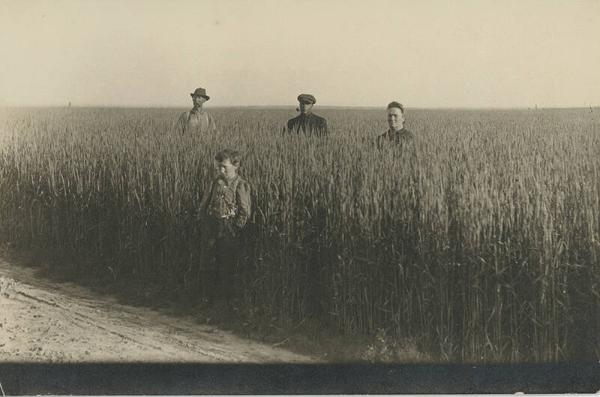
[{"x": 83, "y": 106}]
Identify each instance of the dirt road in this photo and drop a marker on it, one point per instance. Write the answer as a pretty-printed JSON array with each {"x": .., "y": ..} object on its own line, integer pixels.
[{"x": 41, "y": 321}]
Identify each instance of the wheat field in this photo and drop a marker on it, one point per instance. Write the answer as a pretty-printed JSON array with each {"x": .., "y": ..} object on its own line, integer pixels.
[{"x": 484, "y": 249}]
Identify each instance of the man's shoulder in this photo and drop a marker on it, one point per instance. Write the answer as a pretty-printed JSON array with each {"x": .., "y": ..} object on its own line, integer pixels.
[
  {"x": 294, "y": 120},
  {"x": 185, "y": 114},
  {"x": 403, "y": 135},
  {"x": 384, "y": 135},
  {"x": 318, "y": 118},
  {"x": 407, "y": 133}
]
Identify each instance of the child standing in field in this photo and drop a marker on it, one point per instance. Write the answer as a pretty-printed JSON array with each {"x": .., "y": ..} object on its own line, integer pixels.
[{"x": 225, "y": 212}]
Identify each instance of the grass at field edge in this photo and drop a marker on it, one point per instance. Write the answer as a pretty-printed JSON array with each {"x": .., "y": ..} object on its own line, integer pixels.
[{"x": 309, "y": 337}]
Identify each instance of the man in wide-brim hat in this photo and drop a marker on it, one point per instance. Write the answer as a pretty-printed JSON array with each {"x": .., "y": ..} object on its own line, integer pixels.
[
  {"x": 307, "y": 122},
  {"x": 197, "y": 119}
]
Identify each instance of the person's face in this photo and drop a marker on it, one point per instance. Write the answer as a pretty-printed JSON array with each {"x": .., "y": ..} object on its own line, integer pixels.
[
  {"x": 305, "y": 107},
  {"x": 395, "y": 119},
  {"x": 226, "y": 169},
  {"x": 198, "y": 100}
]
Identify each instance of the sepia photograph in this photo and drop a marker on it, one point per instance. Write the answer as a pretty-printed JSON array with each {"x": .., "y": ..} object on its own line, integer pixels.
[{"x": 299, "y": 196}]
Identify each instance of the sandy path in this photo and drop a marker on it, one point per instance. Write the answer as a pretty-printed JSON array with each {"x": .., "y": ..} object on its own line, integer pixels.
[{"x": 42, "y": 321}]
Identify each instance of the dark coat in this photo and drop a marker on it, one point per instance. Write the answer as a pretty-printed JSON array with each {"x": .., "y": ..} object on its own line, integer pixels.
[
  {"x": 403, "y": 138},
  {"x": 310, "y": 124}
]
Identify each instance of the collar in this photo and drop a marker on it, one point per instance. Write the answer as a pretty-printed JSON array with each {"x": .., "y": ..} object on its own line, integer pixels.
[
  {"x": 396, "y": 132},
  {"x": 228, "y": 182}
]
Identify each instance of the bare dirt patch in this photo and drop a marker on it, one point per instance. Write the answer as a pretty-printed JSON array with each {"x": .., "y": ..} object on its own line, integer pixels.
[{"x": 42, "y": 321}]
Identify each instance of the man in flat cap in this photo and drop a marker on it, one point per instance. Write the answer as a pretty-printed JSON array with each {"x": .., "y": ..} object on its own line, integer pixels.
[
  {"x": 197, "y": 119},
  {"x": 307, "y": 122}
]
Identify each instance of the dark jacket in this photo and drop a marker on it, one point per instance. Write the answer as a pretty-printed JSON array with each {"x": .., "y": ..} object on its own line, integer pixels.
[
  {"x": 403, "y": 138},
  {"x": 309, "y": 124},
  {"x": 228, "y": 204}
]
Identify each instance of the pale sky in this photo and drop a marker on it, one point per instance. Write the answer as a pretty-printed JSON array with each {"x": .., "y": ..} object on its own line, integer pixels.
[{"x": 446, "y": 53}]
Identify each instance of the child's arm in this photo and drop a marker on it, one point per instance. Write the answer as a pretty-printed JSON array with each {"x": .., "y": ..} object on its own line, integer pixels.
[
  {"x": 244, "y": 204},
  {"x": 206, "y": 197}
]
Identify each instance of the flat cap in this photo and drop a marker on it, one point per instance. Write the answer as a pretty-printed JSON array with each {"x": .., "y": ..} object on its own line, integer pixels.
[{"x": 307, "y": 98}]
